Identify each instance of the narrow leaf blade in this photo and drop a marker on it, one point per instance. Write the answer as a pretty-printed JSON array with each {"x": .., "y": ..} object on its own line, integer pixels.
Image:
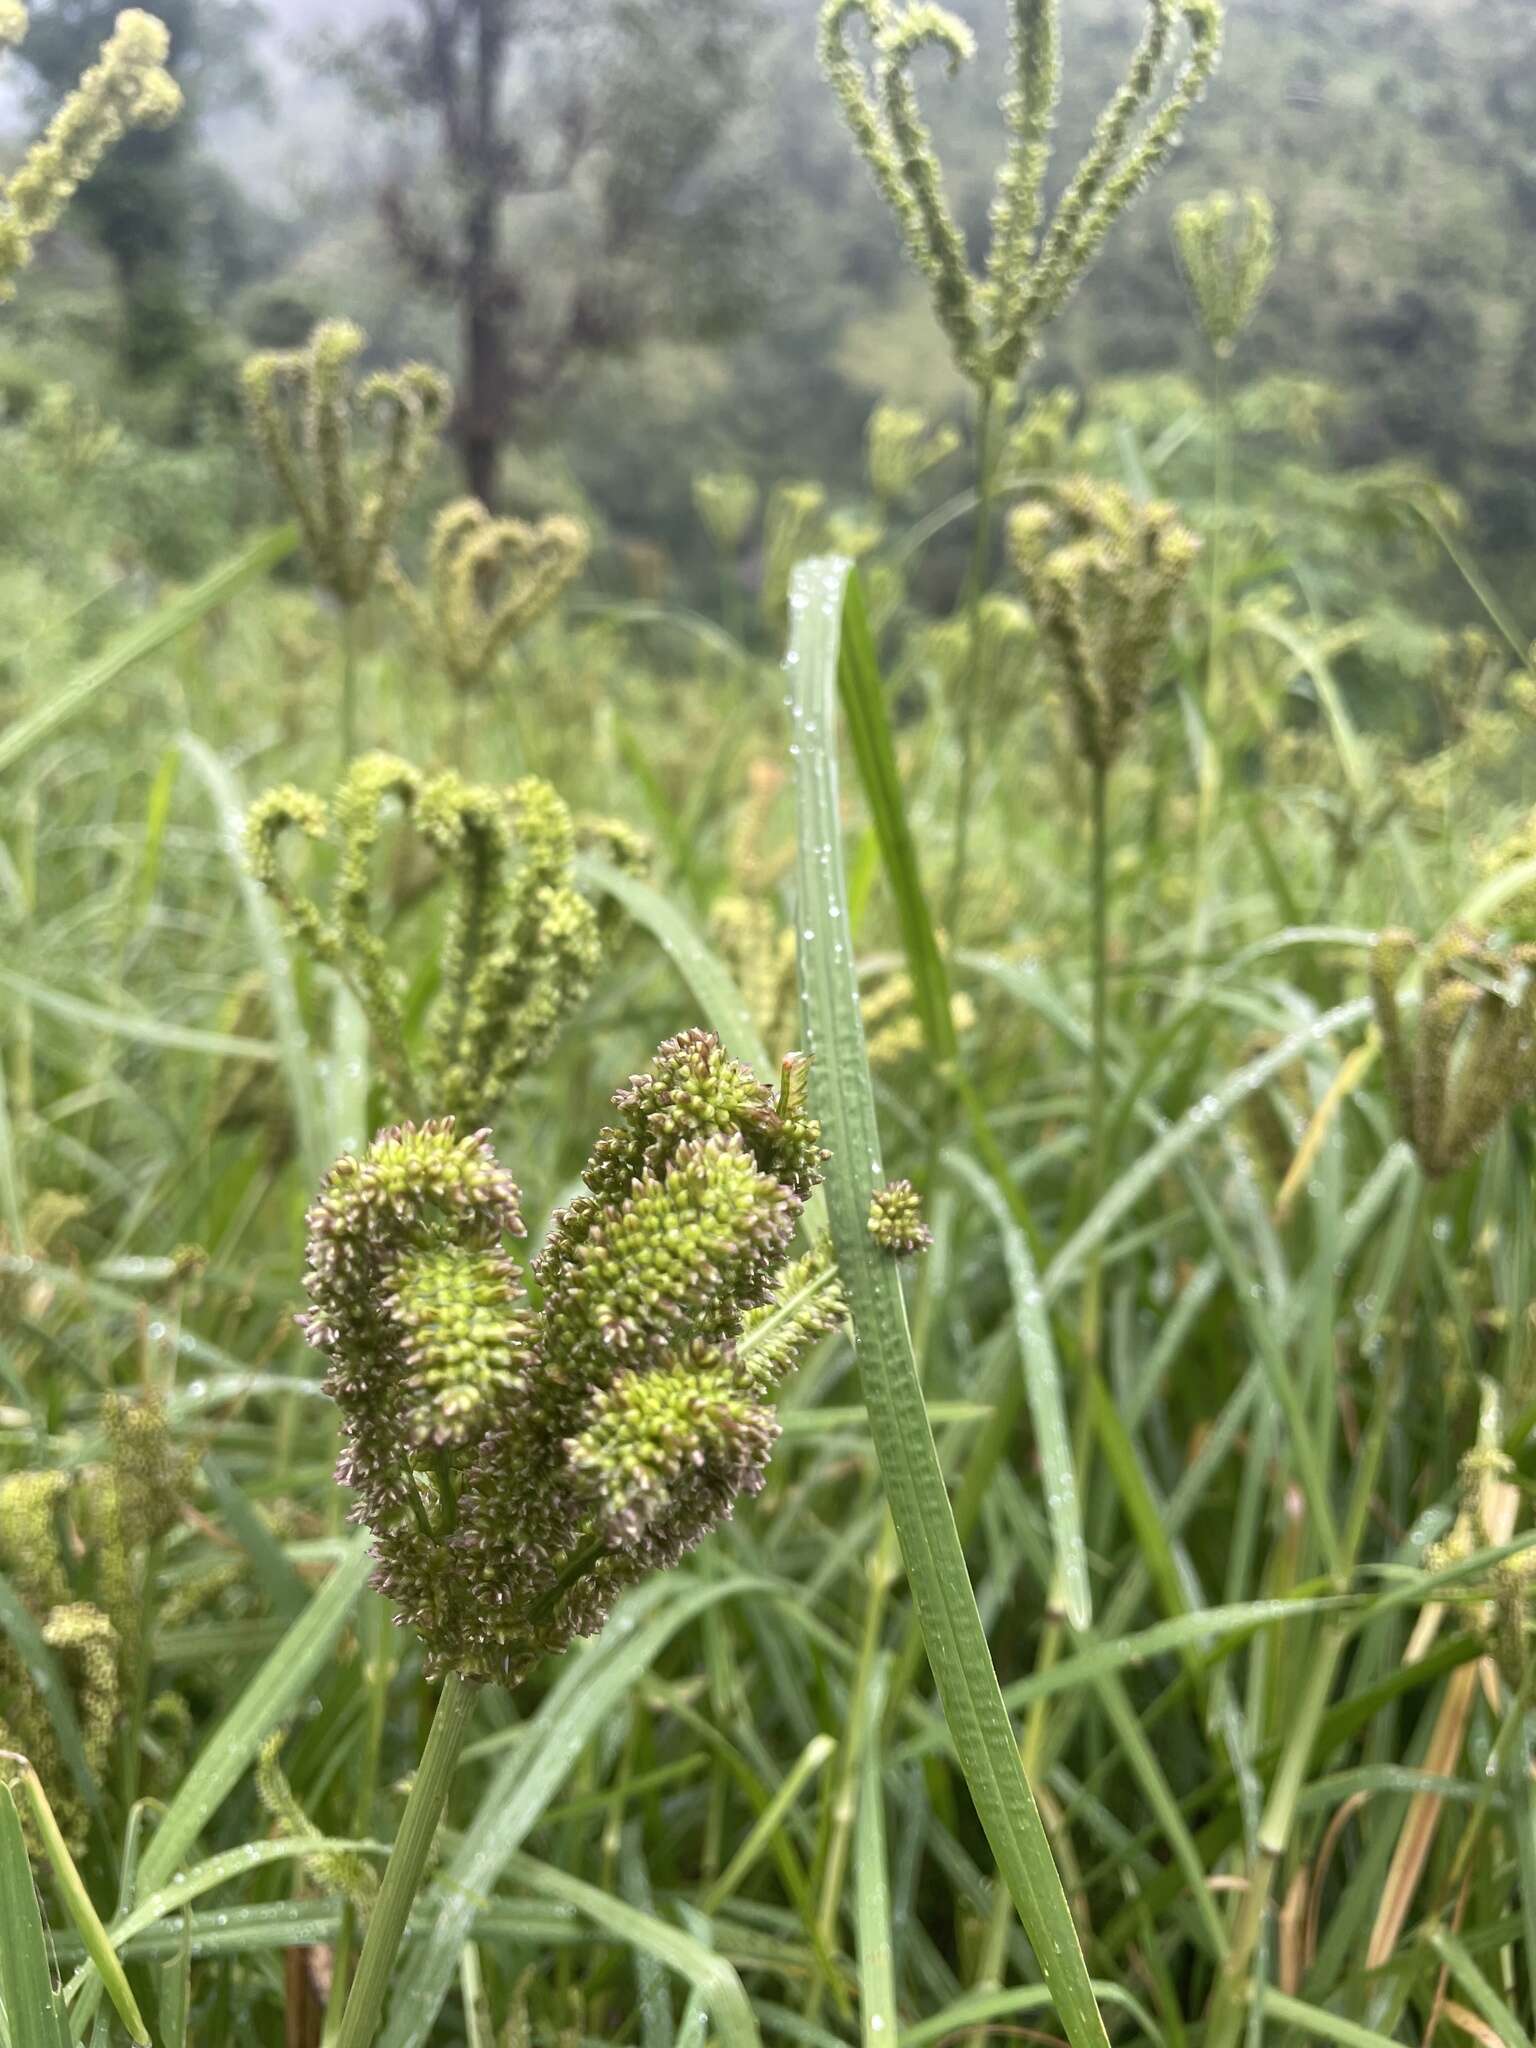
[{"x": 914, "y": 1481}]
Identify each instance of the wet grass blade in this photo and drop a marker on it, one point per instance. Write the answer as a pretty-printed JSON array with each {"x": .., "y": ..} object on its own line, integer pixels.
[
  {"x": 1317, "y": 2025},
  {"x": 1480, "y": 1995},
  {"x": 133, "y": 1024},
  {"x": 270, "y": 1696},
  {"x": 951, "y": 1624},
  {"x": 147, "y": 637},
  {"x": 1043, "y": 1390},
  {"x": 1207, "y": 1115},
  {"x": 34, "y": 2011},
  {"x": 872, "y": 1889},
  {"x": 269, "y": 1561},
  {"x": 77, "y": 1899},
  {"x": 712, "y": 1978},
  {"x": 869, "y": 734}
]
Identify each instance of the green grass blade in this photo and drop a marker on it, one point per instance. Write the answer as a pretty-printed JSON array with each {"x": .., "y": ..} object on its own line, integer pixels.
[
  {"x": 269, "y": 1697},
  {"x": 872, "y": 1890},
  {"x": 34, "y": 2011},
  {"x": 977, "y": 2008},
  {"x": 77, "y": 1901},
  {"x": 1043, "y": 1390},
  {"x": 228, "y": 1867},
  {"x": 717, "y": 1984},
  {"x": 10, "y": 1178},
  {"x": 703, "y": 971},
  {"x": 269, "y": 1561},
  {"x": 1515, "y": 1770},
  {"x": 768, "y": 1826},
  {"x": 1312, "y": 2020},
  {"x": 869, "y": 734},
  {"x": 134, "y": 1024},
  {"x": 1476, "y": 1989},
  {"x": 176, "y": 1994},
  {"x": 914, "y": 1481},
  {"x": 147, "y": 637},
  {"x": 1206, "y": 1116}
]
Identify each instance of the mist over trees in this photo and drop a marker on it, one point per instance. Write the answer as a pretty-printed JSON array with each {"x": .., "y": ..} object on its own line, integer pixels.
[{"x": 651, "y": 204}]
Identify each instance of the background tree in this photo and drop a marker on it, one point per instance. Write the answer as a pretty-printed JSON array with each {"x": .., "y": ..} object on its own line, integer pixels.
[
  {"x": 595, "y": 184},
  {"x": 159, "y": 210}
]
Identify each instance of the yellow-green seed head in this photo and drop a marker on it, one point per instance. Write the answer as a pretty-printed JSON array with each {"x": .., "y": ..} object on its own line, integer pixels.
[
  {"x": 1102, "y": 574},
  {"x": 726, "y": 502},
  {"x": 488, "y": 581},
  {"x": 304, "y": 413},
  {"x": 896, "y": 1220},
  {"x": 993, "y": 322},
  {"x": 127, "y": 87},
  {"x": 902, "y": 448},
  {"x": 521, "y": 946},
  {"x": 1226, "y": 245},
  {"x": 1469, "y": 1057},
  {"x": 520, "y": 1466}
]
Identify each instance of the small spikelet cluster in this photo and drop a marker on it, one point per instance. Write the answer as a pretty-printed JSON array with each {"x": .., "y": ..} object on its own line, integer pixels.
[
  {"x": 896, "y": 1220},
  {"x": 64, "y": 1534},
  {"x": 808, "y": 1304},
  {"x": 1471, "y": 1056},
  {"x": 1102, "y": 574},
  {"x": 341, "y": 1872},
  {"x": 521, "y": 947},
  {"x": 726, "y": 502},
  {"x": 488, "y": 580},
  {"x": 794, "y": 526},
  {"x": 992, "y": 323},
  {"x": 902, "y": 447},
  {"x": 1226, "y": 246},
  {"x": 127, "y": 87},
  {"x": 520, "y": 1466},
  {"x": 418, "y": 1375},
  {"x": 304, "y": 408},
  {"x": 1488, "y": 1507}
]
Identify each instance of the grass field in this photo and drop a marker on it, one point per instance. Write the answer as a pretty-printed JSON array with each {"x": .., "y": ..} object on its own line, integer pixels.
[{"x": 1130, "y": 1639}]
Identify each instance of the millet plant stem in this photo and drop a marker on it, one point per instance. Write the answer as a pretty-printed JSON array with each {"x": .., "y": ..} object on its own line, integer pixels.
[
  {"x": 461, "y": 730},
  {"x": 1213, "y": 709},
  {"x": 976, "y": 585},
  {"x": 1229, "y": 2011},
  {"x": 407, "y": 1864},
  {"x": 131, "y": 1728},
  {"x": 375, "y": 1638},
  {"x": 348, "y": 684},
  {"x": 1098, "y": 1165}
]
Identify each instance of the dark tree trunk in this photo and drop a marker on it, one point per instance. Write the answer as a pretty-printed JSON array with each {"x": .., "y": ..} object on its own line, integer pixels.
[
  {"x": 480, "y": 432},
  {"x": 484, "y": 370}
]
